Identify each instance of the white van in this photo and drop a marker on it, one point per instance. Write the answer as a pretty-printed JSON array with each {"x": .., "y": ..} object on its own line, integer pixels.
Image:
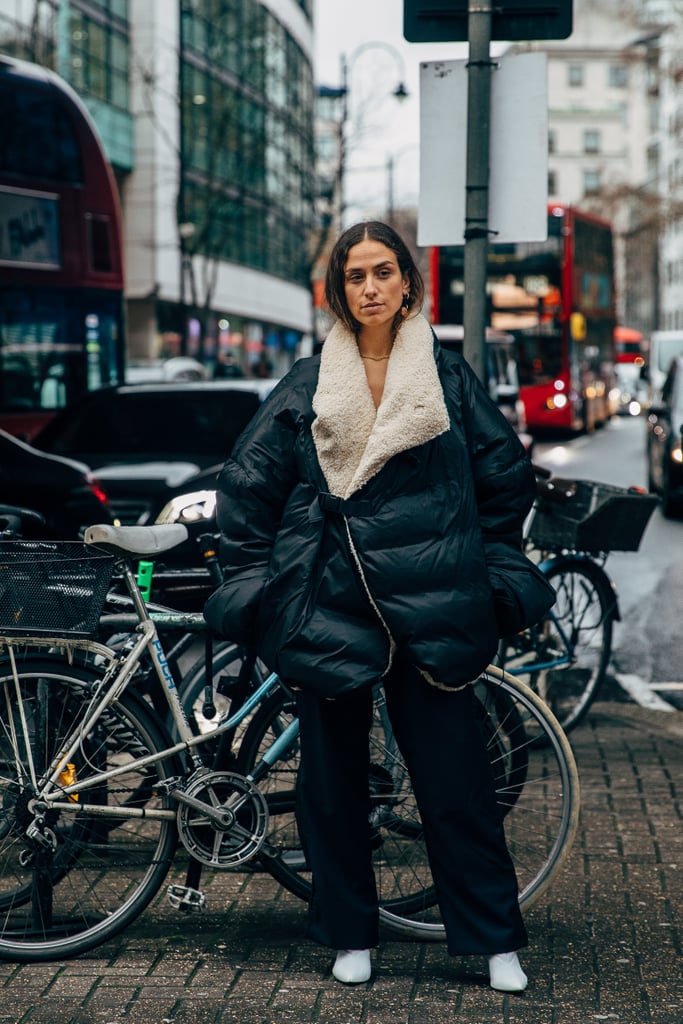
[{"x": 664, "y": 347}]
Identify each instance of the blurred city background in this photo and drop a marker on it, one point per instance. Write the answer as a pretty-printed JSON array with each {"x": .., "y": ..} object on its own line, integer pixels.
[{"x": 243, "y": 133}]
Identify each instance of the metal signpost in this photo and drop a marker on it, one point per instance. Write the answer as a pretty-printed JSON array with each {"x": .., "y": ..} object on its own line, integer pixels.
[{"x": 478, "y": 22}]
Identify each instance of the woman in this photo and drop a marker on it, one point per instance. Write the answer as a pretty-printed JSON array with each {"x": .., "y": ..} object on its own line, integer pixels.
[{"x": 371, "y": 520}]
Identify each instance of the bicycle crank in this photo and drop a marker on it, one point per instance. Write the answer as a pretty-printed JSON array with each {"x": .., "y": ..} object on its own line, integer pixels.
[{"x": 222, "y": 819}]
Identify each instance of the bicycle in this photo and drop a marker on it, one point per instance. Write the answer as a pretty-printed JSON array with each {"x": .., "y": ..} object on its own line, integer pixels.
[
  {"x": 96, "y": 793},
  {"x": 572, "y": 529}
]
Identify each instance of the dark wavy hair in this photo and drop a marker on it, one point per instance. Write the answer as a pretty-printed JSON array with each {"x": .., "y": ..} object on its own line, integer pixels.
[{"x": 376, "y": 231}]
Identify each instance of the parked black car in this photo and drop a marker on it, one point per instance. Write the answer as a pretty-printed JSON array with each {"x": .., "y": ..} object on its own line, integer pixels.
[
  {"x": 148, "y": 443},
  {"x": 63, "y": 491},
  {"x": 142, "y": 440},
  {"x": 664, "y": 449}
]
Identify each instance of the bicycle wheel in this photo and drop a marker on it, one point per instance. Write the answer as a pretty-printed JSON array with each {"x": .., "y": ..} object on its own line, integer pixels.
[
  {"x": 537, "y": 788},
  {"x": 565, "y": 657},
  {"x": 70, "y": 879}
]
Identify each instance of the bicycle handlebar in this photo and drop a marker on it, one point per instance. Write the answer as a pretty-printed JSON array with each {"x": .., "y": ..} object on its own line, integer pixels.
[{"x": 13, "y": 519}]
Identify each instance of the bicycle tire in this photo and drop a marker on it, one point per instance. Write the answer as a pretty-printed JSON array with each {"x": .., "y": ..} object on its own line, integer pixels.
[
  {"x": 63, "y": 898},
  {"x": 533, "y": 784},
  {"x": 565, "y": 657}
]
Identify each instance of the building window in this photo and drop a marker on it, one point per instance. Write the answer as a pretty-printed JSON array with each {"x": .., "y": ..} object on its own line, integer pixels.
[
  {"x": 246, "y": 136},
  {"x": 617, "y": 76},
  {"x": 575, "y": 74},
  {"x": 591, "y": 141},
  {"x": 552, "y": 183},
  {"x": 591, "y": 182},
  {"x": 99, "y": 52},
  {"x": 552, "y": 142}
]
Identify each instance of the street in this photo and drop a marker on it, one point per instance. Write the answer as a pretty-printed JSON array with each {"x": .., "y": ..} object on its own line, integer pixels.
[{"x": 647, "y": 642}]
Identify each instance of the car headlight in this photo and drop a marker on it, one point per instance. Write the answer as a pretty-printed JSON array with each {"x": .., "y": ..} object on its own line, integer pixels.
[{"x": 189, "y": 508}]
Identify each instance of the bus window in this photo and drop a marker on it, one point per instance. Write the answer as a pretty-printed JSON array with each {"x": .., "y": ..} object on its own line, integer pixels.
[
  {"x": 40, "y": 341},
  {"x": 539, "y": 357}
]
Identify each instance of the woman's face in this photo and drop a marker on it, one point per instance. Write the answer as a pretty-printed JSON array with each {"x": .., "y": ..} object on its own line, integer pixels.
[{"x": 373, "y": 284}]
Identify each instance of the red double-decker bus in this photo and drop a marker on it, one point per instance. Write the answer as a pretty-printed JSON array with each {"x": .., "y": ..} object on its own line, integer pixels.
[
  {"x": 629, "y": 345},
  {"x": 557, "y": 299},
  {"x": 61, "y": 273},
  {"x": 630, "y": 350}
]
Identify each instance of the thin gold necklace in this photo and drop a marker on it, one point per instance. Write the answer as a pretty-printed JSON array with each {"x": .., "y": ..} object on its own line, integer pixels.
[{"x": 375, "y": 359}]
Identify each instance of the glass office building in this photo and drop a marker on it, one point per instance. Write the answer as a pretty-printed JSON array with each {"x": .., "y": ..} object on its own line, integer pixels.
[{"x": 205, "y": 108}]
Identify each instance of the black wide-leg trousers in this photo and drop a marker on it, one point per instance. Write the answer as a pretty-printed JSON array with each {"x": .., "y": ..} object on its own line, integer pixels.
[{"x": 442, "y": 741}]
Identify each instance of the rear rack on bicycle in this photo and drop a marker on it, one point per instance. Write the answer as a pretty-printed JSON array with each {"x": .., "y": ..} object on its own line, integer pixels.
[
  {"x": 52, "y": 588},
  {"x": 598, "y": 517}
]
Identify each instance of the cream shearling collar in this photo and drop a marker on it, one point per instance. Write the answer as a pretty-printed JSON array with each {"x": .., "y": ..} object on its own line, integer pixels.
[{"x": 354, "y": 440}]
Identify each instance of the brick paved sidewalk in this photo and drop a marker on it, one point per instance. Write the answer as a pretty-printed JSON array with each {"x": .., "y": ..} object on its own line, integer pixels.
[{"x": 605, "y": 942}]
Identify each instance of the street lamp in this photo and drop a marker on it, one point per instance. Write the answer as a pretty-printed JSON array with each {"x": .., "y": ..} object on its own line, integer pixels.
[
  {"x": 341, "y": 95},
  {"x": 399, "y": 93}
]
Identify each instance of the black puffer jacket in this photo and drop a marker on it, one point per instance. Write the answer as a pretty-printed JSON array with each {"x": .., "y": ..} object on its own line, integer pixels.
[{"x": 347, "y": 533}]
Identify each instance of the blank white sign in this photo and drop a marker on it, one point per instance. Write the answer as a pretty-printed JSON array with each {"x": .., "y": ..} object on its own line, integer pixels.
[{"x": 518, "y": 157}]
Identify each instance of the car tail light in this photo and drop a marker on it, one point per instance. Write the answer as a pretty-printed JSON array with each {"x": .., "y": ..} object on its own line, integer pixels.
[{"x": 96, "y": 490}]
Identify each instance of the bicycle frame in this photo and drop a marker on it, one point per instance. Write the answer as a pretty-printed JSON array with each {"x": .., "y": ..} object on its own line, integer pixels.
[{"x": 118, "y": 674}]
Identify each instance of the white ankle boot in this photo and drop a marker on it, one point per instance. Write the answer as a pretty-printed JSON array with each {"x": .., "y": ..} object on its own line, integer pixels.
[
  {"x": 506, "y": 973},
  {"x": 352, "y": 966}
]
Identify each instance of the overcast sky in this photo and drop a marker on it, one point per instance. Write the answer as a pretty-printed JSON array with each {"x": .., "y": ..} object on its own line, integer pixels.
[{"x": 380, "y": 128}]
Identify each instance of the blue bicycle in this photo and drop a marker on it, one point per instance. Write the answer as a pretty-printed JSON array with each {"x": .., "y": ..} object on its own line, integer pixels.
[{"x": 572, "y": 529}]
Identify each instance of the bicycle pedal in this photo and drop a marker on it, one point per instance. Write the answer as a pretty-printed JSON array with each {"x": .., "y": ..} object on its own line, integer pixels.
[{"x": 182, "y": 897}]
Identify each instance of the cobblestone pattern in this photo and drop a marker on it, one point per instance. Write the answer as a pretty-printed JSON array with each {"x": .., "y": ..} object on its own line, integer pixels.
[{"x": 605, "y": 941}]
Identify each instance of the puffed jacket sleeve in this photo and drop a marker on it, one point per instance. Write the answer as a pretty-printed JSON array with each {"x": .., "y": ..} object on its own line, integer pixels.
[
  {"x": 253, "y": 488},
  {"x": 505, "y": 488}
]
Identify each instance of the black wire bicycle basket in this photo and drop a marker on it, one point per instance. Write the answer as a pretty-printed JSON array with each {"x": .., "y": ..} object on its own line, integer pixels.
[
  {"x": 597, "y": 517},
  {"x": 52, "y": 588}
]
